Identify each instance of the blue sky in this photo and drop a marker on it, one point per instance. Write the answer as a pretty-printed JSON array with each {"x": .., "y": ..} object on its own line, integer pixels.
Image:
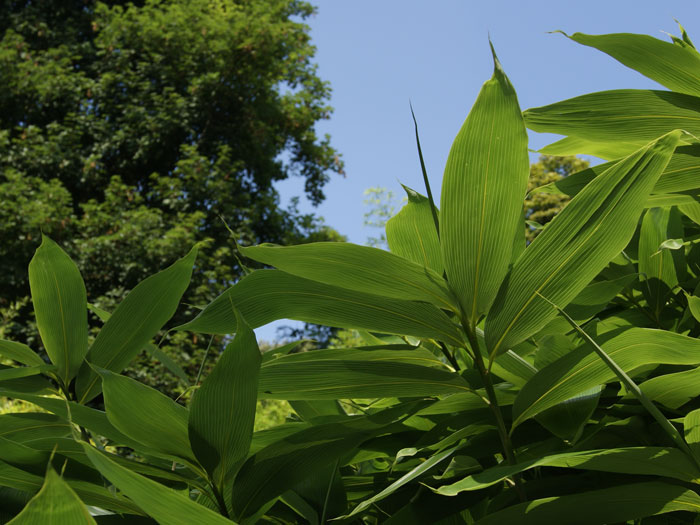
[{"x": 379, "y": 54}]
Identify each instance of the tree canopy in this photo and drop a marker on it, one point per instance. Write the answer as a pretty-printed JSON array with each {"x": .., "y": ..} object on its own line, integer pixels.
[{"x": 130, "y": 131}]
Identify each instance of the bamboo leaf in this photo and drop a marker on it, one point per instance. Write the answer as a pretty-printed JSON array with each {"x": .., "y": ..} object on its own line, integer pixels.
[
  {"x": 673, "y": 390},
  {"x": 55, "y": 504},
  {"x": 20, "y": 352},
  {"x": 60, "y": 306},
  {"x": 146, "y": 416},
  {"x": 411, "y": 233},
  {"x": 594, "y": 227},
  {"x": 673, "y": 66},
  {"x": 222, "y": 412},
  {"x": 483, "y": 188},
  {"x": 267, "y": 295},
  {"x": 357, "y": 373},
  {"x": 691, "y": 430},
  {"x": 581, "y": 369},
  {"x": 162, "y": 503},
  {"x": 136, "y": 320},
  {"x": 653, "y": 461},
  {"x": 359, "y": 268},
  {"x": 625, "y": 118}
]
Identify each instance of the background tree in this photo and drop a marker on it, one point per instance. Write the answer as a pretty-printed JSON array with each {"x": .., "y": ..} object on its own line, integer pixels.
[
  {"x": 128, "y": 132},
  {"x": 541, "y": 208}
]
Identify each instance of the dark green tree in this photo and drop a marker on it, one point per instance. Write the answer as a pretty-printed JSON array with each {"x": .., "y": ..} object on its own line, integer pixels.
[
  {"x": 541, "y": 207},
  {"x": 128, "y": 132}
]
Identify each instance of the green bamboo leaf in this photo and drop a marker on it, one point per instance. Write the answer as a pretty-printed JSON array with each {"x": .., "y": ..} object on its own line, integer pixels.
[
  {"x": 615, "y": 504},
  {"x": 411, "y": 233},
  {"x": 594, "y": 227},
  {"x": 657, "y": 267},
  {"x": 694, "y": 306},
  {"x": 358, "y": 268},
  {"x": 609, "y": 150},
  {"x": 20, "y": 353},
  {"x": 691, "y": 430},
  {"x": 16, "y": 372},
  {"x": 406, "y": 478},
  {"x": 673, "y": 66},
  {"x": 624, "y": 117},
  {"x": 60, "y": 306},
  {"x": 567, "y": 419},
  {"x": 652, "y": 461},
  {"x": 22, "y": 456},
  {"x": 55, "y": 504},
  {"x": 267, "y": 295},
  {"x": 357, "y": 373},
  {"x": 483, "y": 188},
  {"x": 673, "y": 390},
  {"x": 581, "y": 369},
  {"x": 89, "y": 493},
  {"x": 133, "y": 324},
  {"x": 162, "y": 503},
  {"x": 146, "y": 416},
  {"x": 298, "y": 456},
  {"x": 222, "y": 412},
  {"x": 26, "y": 426}
]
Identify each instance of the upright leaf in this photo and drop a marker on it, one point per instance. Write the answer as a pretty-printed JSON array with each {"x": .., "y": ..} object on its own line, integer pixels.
[
  {"x": 482, "y": 194},
  {"x": 673, "y": 66},
  {"x": 135, "y": 321},
  {"x": 267, "y": 295},
  {"x": 594, "y": 227},
  {"x": 222, "y": 411},
  {"x": 411, "y": 233},
  {"x": 359, "y": 268},
  {"x": 55, "y": 504},
  {"x": 60, "y": 306},
  {"x": 145, "y": 415}
]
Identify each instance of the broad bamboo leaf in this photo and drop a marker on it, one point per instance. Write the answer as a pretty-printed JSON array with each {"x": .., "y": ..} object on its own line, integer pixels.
[
  {"x": 267, "y": 295},
  {"x": 136, "y": 320},
  {"x": 411, "y": 233},
  {"x": 673, "y": 390},
  {"x": 89, "y": 493},
  {"x": 673, "y": 66},
  {"x": 222, "y": 411},
  {"x": 357, "y": 373},
  {"x": 567, "y": 419},
  {"x": 15, "y": 372},
  {"x": 406, "y": 478},
  {"x": 162, "y": 503},
  {"x": 582, "y": 369},
  {"x": 281, "y": 465},
  {"x": 145, "y": 415},
  {"x": 359, "y": 268},
  {"x": 658, "y": 267},
  {"x": 615, "y": 504},
  {"x": 20, "y": 353},
  {"x": 691, "y": 431},
  {"x": 624, "y": 117},
  {"x": 594, "y": 227},
  {"x": 60, "y": 306},
  {"x": 608, "y": 150},
  {"x": 653, "y": 461},
  {"x": 32, "y": 425},
  {"x": 22, "y": 456},
  {"x": 483, "y": 189},
  {"x": 55, "y": 504}
]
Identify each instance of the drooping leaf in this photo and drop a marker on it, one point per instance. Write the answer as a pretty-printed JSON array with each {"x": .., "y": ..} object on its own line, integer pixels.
[
  {"x": 576, "y": 245},
  {"x": 145, "y": 415},
  {"x": 656, "y": 461},
  {"x": 360, "y": 268},
  {"x": 581, "y": 369},
  {"x": 267, "y": 295},
  {"x": 673, "y": 66},
  {"x": 626, "y": 118},
  {"x": 19, "y": 352},
  {"x": 482, "y": 194},
  {"x": 567, "y": 419},
  {"x": 357, "y": 373},
  {"x": 673, "y": 390},
  {"x": 411, "y": 233},
  {"x": 135, "y": 321},
  {"x": 162, "y": 503},
  {"x": 615, "y": 504},
  {"x": 60, "y": 306},
  {"x": 55, "y": 504},
  {"x": 222, "y": 412}
]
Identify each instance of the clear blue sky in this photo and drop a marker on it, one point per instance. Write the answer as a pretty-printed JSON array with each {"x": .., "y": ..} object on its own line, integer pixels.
[{"x": 379, "y": 54}]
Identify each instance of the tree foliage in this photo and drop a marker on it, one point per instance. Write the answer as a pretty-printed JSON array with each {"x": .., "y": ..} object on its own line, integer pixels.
[{"x": 131, "y": 131}]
